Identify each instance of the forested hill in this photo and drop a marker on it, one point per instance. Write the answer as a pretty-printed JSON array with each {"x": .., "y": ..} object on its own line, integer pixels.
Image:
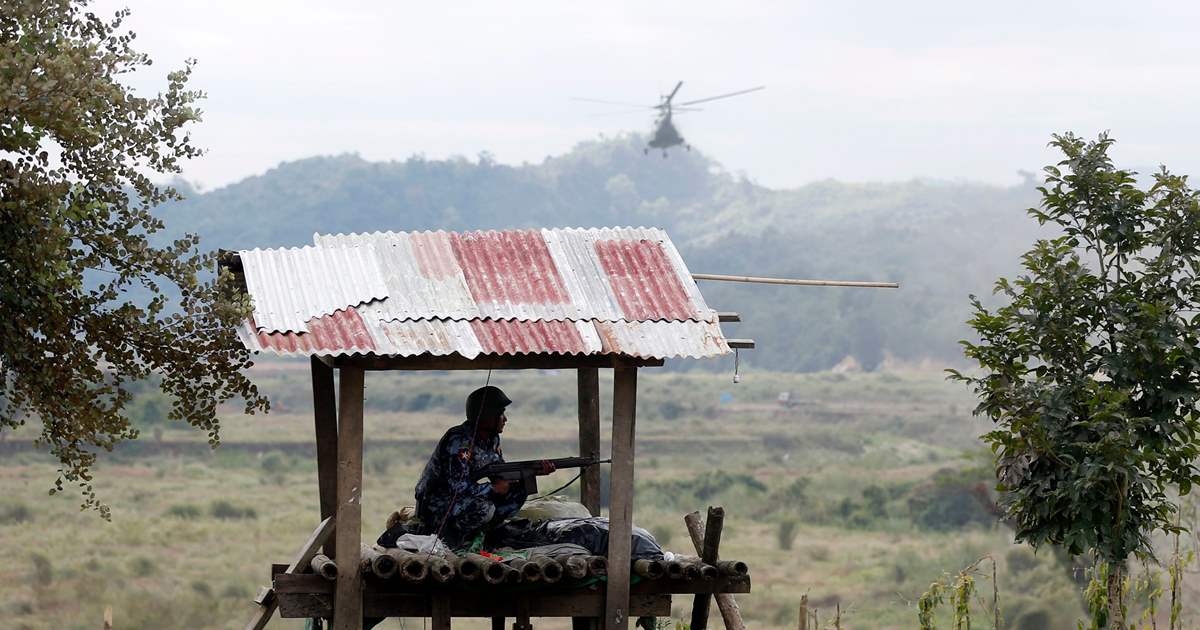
[{"x": 940, "y": 240}]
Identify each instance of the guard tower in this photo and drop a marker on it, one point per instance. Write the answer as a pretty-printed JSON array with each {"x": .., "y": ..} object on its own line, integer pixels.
[{"x": 616, "y": 299}]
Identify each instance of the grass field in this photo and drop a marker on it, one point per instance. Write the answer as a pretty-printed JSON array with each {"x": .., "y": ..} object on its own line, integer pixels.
[{"x": 860, "y": 493}]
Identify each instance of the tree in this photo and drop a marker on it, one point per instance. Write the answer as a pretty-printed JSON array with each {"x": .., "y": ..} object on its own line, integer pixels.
[
  {"x": 77, "y": 150},
  {"x": 1091, "y": 371}
]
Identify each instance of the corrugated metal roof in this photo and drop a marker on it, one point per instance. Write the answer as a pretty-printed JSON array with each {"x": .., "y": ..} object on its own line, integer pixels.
[
  {"x": 608, "y": 274},
  {"x": 292, "y": 286},
  {"x": 565, "y": 291}
]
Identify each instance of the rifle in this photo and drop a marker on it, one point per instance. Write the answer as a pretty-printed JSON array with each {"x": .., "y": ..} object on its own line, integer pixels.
[{"x": 525, "y": 472}]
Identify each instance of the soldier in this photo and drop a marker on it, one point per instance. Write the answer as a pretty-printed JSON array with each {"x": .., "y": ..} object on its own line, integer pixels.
[{"x": 450, "y": 502}]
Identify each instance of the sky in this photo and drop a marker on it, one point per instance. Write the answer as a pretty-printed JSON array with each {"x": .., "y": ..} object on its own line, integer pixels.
[{"x": 858, "y": 91}]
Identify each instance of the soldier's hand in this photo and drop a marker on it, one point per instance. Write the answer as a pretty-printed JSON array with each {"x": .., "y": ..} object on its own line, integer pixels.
[
  {"x": 500, "y": 486},
  {"x": 547, "y": 467}
]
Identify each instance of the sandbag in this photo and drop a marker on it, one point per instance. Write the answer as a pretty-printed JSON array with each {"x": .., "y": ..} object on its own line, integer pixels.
[{"x": 548, "y": 508}]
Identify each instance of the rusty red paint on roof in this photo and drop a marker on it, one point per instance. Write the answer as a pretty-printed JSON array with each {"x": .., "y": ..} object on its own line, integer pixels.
[
  {"x": 511, "y": 266},
  {"x": 510, "y": 336},
  {"x": 342, "y": 330},
  {"x": 643, "y": 281}
]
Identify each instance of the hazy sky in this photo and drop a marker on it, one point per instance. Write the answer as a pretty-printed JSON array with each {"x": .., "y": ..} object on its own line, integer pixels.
[{"x": 855, "y": 90}]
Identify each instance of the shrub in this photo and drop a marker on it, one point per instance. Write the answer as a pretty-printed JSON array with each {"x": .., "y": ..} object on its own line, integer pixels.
[
  {"x": 43, "y": 571},
  {"x": 549, "y": 404},
  {"x": 200, "y": 587},
  {"x": 184, "y": 511},
  {"x": 671, "y": 410},
  {"x": 225, "y": 510},
  {"x": 951, "y": 501},
  {"x": 378, "y": 463},
  {"x": 142, "y": 566},
  {"x": 663, "y": 535},
  {"x": 786, "y": 533},
  {"x": 274, "y": 462},
  {"x": 15, "y": 513}
]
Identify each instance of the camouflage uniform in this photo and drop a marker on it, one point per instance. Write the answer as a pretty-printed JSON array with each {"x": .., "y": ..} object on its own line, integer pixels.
[{"x": 447, "y": 486}]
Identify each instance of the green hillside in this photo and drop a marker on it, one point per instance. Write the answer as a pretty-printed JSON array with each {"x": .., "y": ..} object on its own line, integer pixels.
[{"x": 942, "y": 240}]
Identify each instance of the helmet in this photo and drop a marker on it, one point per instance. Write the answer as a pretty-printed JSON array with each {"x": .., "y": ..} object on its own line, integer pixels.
[{"x": 486, "y": 400}]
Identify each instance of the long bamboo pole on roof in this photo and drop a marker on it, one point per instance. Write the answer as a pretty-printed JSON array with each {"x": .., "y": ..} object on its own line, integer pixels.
[{"x": 794, "y": 281}]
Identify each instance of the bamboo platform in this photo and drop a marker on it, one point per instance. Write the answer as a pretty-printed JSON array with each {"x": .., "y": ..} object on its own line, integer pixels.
[{"x": 306, "y": 595}]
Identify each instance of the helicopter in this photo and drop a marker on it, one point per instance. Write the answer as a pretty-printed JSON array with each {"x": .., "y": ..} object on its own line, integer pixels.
[{"x": 666, "y": 135}]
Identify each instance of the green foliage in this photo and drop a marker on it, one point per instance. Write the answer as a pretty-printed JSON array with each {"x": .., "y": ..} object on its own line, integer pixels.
[
  {"x": 959, "y": 589},
  {"x": 951, "y": 500},
  {"x": 14, "y": 513},
  {"x": 226, "y": 510},
  {"x": 703, "y": 488},
  {"x": 43, "y": 570},
  {"x": 77, "y": 152},
  {"x": 274, "y": 463},
  {"x": 1091, "y": 369},
  {"x": 141, "y": 566},
  {"x": 786, "y": 533},
  {"x": 186, "y": 511}
]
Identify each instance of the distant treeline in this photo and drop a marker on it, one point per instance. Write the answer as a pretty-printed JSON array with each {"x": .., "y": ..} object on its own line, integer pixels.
[{"x": 942, "y": 240}]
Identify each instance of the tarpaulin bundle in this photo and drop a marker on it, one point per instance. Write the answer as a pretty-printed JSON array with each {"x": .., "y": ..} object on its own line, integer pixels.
[{"x": 590, "y": 533}]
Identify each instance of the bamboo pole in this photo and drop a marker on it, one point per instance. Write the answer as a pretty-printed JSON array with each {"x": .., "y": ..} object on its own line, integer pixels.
[
  {"x": 467, "y": 569},
  {"x": 575, "y": 566},
  {"x": 552, "y": 571},
  {"x": 649, "y": 569},
  {"x": 530, "y": 571},
  {"x": 382, "y": 563},
  {"x": 492, "y": 572},
  {"x": 597, "y": 565},
  {"x": 324, "y": 567},
  {"x": 439, "y": 569},
  {"x": 730, "y": 613},
  {"x": 733, "y": 567},
  {"x": 794, "y": 281}
]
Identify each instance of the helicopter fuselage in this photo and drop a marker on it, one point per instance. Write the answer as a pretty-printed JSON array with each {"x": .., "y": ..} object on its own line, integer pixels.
[{"x": 665, "y": 134}]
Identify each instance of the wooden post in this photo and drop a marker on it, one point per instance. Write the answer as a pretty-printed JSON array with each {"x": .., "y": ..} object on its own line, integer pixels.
[
  {"x": 620, "y": 499},
  {"x": 589, "y": 437},
  {"x": 347, "y": 600},
  {"x": 804, "y": 612},
  {"x": 440, "y": 612},
  {"x": 709, "y": 554},
  {"x": 325, "y": 425},
  {"x": 730, "y": 613}
]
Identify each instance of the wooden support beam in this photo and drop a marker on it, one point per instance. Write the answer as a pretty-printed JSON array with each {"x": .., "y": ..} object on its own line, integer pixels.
[
  {"x": 589, "y": 437},
  {"x": 709, "y": 554},
  {"x": 440, "y": 613},
  {"x": 730, "y": 613},
  {"x": 743, "y": 344},
  {"x": 348, "y": 600},
  {"x": 325, "y": 429},
  {"x": 620, "y": 499},
  {"x": 729, "y": 316},
  {"x": 266, "y": 600}
]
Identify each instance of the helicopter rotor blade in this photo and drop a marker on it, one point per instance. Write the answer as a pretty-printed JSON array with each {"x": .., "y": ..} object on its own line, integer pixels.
[
  {"x": 619, "y": 112},
  {"x": 673, "y": 93},
  {"x": 596, "y": 100},
  {"x": 713, "y": 98}
]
